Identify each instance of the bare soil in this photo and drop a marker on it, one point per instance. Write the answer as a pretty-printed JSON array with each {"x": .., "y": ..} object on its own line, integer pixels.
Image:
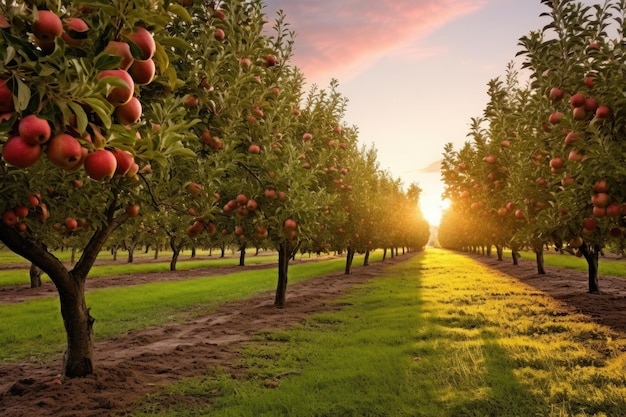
[{"x": 138, "y": 363}]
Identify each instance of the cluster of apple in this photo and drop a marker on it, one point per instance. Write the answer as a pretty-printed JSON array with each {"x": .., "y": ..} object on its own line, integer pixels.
[
  {"x": 581, "y": 105},
  {"x": 241, "y": 205},
  {"x": 64, "y": 149},
  {"x": 14, "y": 217},
  {"x": 199, "y": 225},
  {"x": 602, "y": 204}
]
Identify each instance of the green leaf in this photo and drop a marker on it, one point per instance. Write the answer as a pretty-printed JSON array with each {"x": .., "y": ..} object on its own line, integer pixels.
[
  {"x": 161, "y": 58},
  {"x": 23, "y": 95},
  {"x": 175, "y": 42},
  {"x": 106, "y": 61},
  {"x": 179, "y": 11},
  {"x": 101, "y": 107},
  {"x": 81, "y": 116},
  {"x": 10, "y": 55}
]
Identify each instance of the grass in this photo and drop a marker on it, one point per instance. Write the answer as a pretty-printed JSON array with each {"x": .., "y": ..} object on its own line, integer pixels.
[
  {"x": 611, "y": 267},
  {"x": 21, "y": 276},
  {"x": 439, "y": 335},
  {"x": 34, "y": 328}
]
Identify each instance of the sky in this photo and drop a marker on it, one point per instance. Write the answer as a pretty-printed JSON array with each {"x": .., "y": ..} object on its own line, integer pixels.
[{"x": 414, "y": 71}]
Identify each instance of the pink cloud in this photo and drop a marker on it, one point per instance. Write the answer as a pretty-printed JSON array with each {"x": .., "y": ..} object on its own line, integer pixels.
[{"x": 341, "y": 38}]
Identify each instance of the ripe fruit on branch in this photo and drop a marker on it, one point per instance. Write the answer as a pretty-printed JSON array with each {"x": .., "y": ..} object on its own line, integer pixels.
[
  {"x": 142, "y": 71},
  {"x": 130, "y": 112},
  {"x": 254, "y": 149},
  {"x": 603, "y": 112},
  {"x": 20, "y": 154},
  {"x": 100, "y": 164},
  {"x": 6, "y": 98},
  {"x": 64, "y": 151},
  {"x": 219, "y": 34},
  {"x": 119, "y": 95},
  {"x": 47, "y": 26},
  {"x": 520, "y": 215},
  {"x": 71, "y": 224},
  {"x": 33, "y": 130},
  {"x": 555, "y": 117},
  {"x": 125, "y": 160},
  {"x": 194, "y": 188},
  {"x": 571, "y": 137},
  {"x": 589, "y": 224},
  {"x": 251, "y": 205},
  {"x": 591, "y": 104},
  {"x": 121, "y": 49},
  {"x": 144, "y": 40},
  {"x": 190, "y": 101},
  {"x": 556, "y": 94},
  {"x": 579, "y": 113},
  {"x": 132, "y": 210},
  {"x": 9, "y": 218},
  {"x": 76, "y": 31},
  {"x": 490, "y": 159},
  {"x": 600, "y": 186},
  {"x": 600, "y": 199},
  {"x": 270, "y": 60},
  {"x": 577, "y": 100},
  {"x": 307, "y": 136}
]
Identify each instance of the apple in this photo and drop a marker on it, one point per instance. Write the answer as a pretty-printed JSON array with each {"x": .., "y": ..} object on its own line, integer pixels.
[
  {"x": 290, "y": 224},
  {"x": 17, "y": 152},
  {"x": 142, "y": 71},
  {"x": 576, "y": 242},
  {"x": 47, "y": 26},
  {"x": 600, "y": 186},
  {"x": 75, "y": 31},
  {"x": 245, "y": 61},
  {"x": 121, "y": 49},
  {"x": 21, "y": 211},
  {"x": 211, "y": 228},
  {"x": 190, "y": 101},
  {"x": 242, "y": 199},
  {"x": 258, "y": 111},
  {"x": 556, "y": 94},
  {"x": 239, "y": 231},
  {"x": 296, "y": 112},
  {"x": 6, "y": 98},
  {"x": 254, "y": 149},
  {"x": 129, "y": 113},
  {"x": 4, "y": 23},
  {"x": 260, "y": 233},
  {"x": 577, "y": 100},
  {"x": 591, "y": 104},
  {"x": 9, "y": 218},
  {"x": 571, "y": 137},
  {"x": 598, "y": 212},
  {"x": 64, "y": 151},
  {"x": 590, "y": 81},
  {"x": 555, "y": 117},
  {"x": 34, "y": 130},
  {"x": 567, "y": 180},
  {"x": 282, "y": 196},
  {"x": 519, "y": 214},
  {"x": 119, "y": 95},
  {"x": 600, "y": 199},
  {"x": 270, "y": 60},
  {"x": 594, "y": 45},
  {"x": 556, "y": 163},
  {"x": 603, "y": 112},
  {"x": 219, "y": 34},
  {"x": 579, "y": 113},
  {"x": 132, "y": 210},
  {"x": 269, "y": 193},
  {"x": 574, "y": 156},
  {"x": 613, "y": 210},
  {"x": 71, "y": 224},
  {"x": 251, "y": 205},
  {"x": 125, "y": 161},
  {"x": 505, "y": 143},
  {"x": 77, "y": 183},
  {"x": 144, "y": 40},
  {"x": 100, "y": 164},
  {"x": 219, "y": 13},
  {"x": 490, "y": 159},
  {"x": 589, "y": 224},
  {"x": 307, "y": 136},
  {"x": 194, "y": 188}
]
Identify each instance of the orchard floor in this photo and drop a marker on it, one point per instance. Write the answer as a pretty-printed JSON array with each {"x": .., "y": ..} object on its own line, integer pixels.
[{"x": 137, "y": 363}]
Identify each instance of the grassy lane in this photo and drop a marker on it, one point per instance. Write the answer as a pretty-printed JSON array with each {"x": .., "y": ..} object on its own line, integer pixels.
[
  {"x": 34, "y": 328},
  {"x": 439, "y": 335}
]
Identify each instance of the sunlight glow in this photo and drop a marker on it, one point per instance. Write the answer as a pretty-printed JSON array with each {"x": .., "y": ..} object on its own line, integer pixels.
[{"x": 432, "y": 209}]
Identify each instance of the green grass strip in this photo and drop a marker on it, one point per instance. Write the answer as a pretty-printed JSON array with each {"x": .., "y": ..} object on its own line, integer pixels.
[
  {"x": 35, "y": 329},
  {"x": 439, "y": 335}
]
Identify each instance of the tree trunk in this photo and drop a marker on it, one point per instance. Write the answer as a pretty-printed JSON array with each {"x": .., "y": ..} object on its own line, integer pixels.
[
  {"x": 175, "y": 253},
  {"x": 35, "y": 276},
  {"x": 591, "y": 255},
  {"x": 114, "y": 250},
  {"x": 223, "y": 250},
  {"x": 349, "y": 259},
  {"x": 73, "y": 256},
  {"x": 366, "y": 259},
  {"x": 499, "y": 252},
  {"x": 538, "y": 247},
  {"x": 193, "y": 252},
  {"x": 242, "y": 255},
  {"x": 156, "y": 252},
  {"x": 384, "y": 254},
  {"x": 131, "y": 252},
  {"x": 284, "y": 253},
  {"x": 78, "y": 359}
]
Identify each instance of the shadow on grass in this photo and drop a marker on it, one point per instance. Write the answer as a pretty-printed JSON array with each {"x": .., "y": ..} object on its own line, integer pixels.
[{"x": 507, "y": 396}]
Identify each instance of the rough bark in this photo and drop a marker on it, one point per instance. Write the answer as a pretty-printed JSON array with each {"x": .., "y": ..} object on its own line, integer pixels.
[
  {"x": 175, "y": 253},
  {"x": 538, "y": 248},
  {"x": 349, "y": 259},
  {"x": 284, "y": 254},
  {"x": 366, "y": 259},
  {"x": 242, "y": 255},
  {"x": 35, "y": 276},
  {"x": 591, "y": 254},
  {"x": 500, "y": 252}
]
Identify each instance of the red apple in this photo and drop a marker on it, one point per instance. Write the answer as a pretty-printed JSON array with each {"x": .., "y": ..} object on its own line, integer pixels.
[
  {"x": 33, "y": 130},
  {"x": 307, "y": 136},
  {"x": 71, "y": 224},
  {"x": 600, "y": 199},
  {"x": 142, "y": 71},
  {"x": 219, "y": 34},
  {"x": 579, "y": 113},
  {"x": 190, "y": 101},
  {"x": 121, "y": 49},
  {"x": 603, "y": 112},
  {"x": 270, "y": 193},
  {"x": 571, "y": 138},
  {"x": 613, "y": 210},
  {"x": 577, "y": 100},
  {"x": 600, "y": 186},
  {"x": 100, "y": 164},
  {"x": 17, "y": 152},
  {"x": 119, "y": 95},
  {"x": 270, "y": 60},
  {"x": 130, "y": 112},
  {"x": 125, "y": 161},
  {"x": 290, "y": 224},
  {"x": 75, "y": 31},
  {"x": 47, "y": 26},
  {"x": 519, "y": 214},
  {"x": 194, "y": 188},
  {"x": 64, "y": 151},
  {"x": 251, "y": 205},
  {"x": 254, "y": 148},
  {"x": 556, "y": 94},
  {"x": 555, "y": 117},
  {"x": 591, "y": 104},
  {"x": 9, "y": 218},
  {"x": 21, "y": 211},
  {"x": 132, "y": 210},
  {"x": 144, "y": 40},
  {"x": 590, "y": 81},
  {"x": 589, "y": 224},
  {"x": 6, "y": 98}
]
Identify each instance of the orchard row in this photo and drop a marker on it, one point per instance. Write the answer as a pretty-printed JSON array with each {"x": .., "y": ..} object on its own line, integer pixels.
[
  {"x": 545, "y": 163},
  {"x": 176, "y": 123}
]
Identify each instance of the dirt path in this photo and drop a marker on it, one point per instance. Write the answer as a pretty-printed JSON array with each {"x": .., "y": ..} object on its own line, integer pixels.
[{"x": 135, "y": 364}]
